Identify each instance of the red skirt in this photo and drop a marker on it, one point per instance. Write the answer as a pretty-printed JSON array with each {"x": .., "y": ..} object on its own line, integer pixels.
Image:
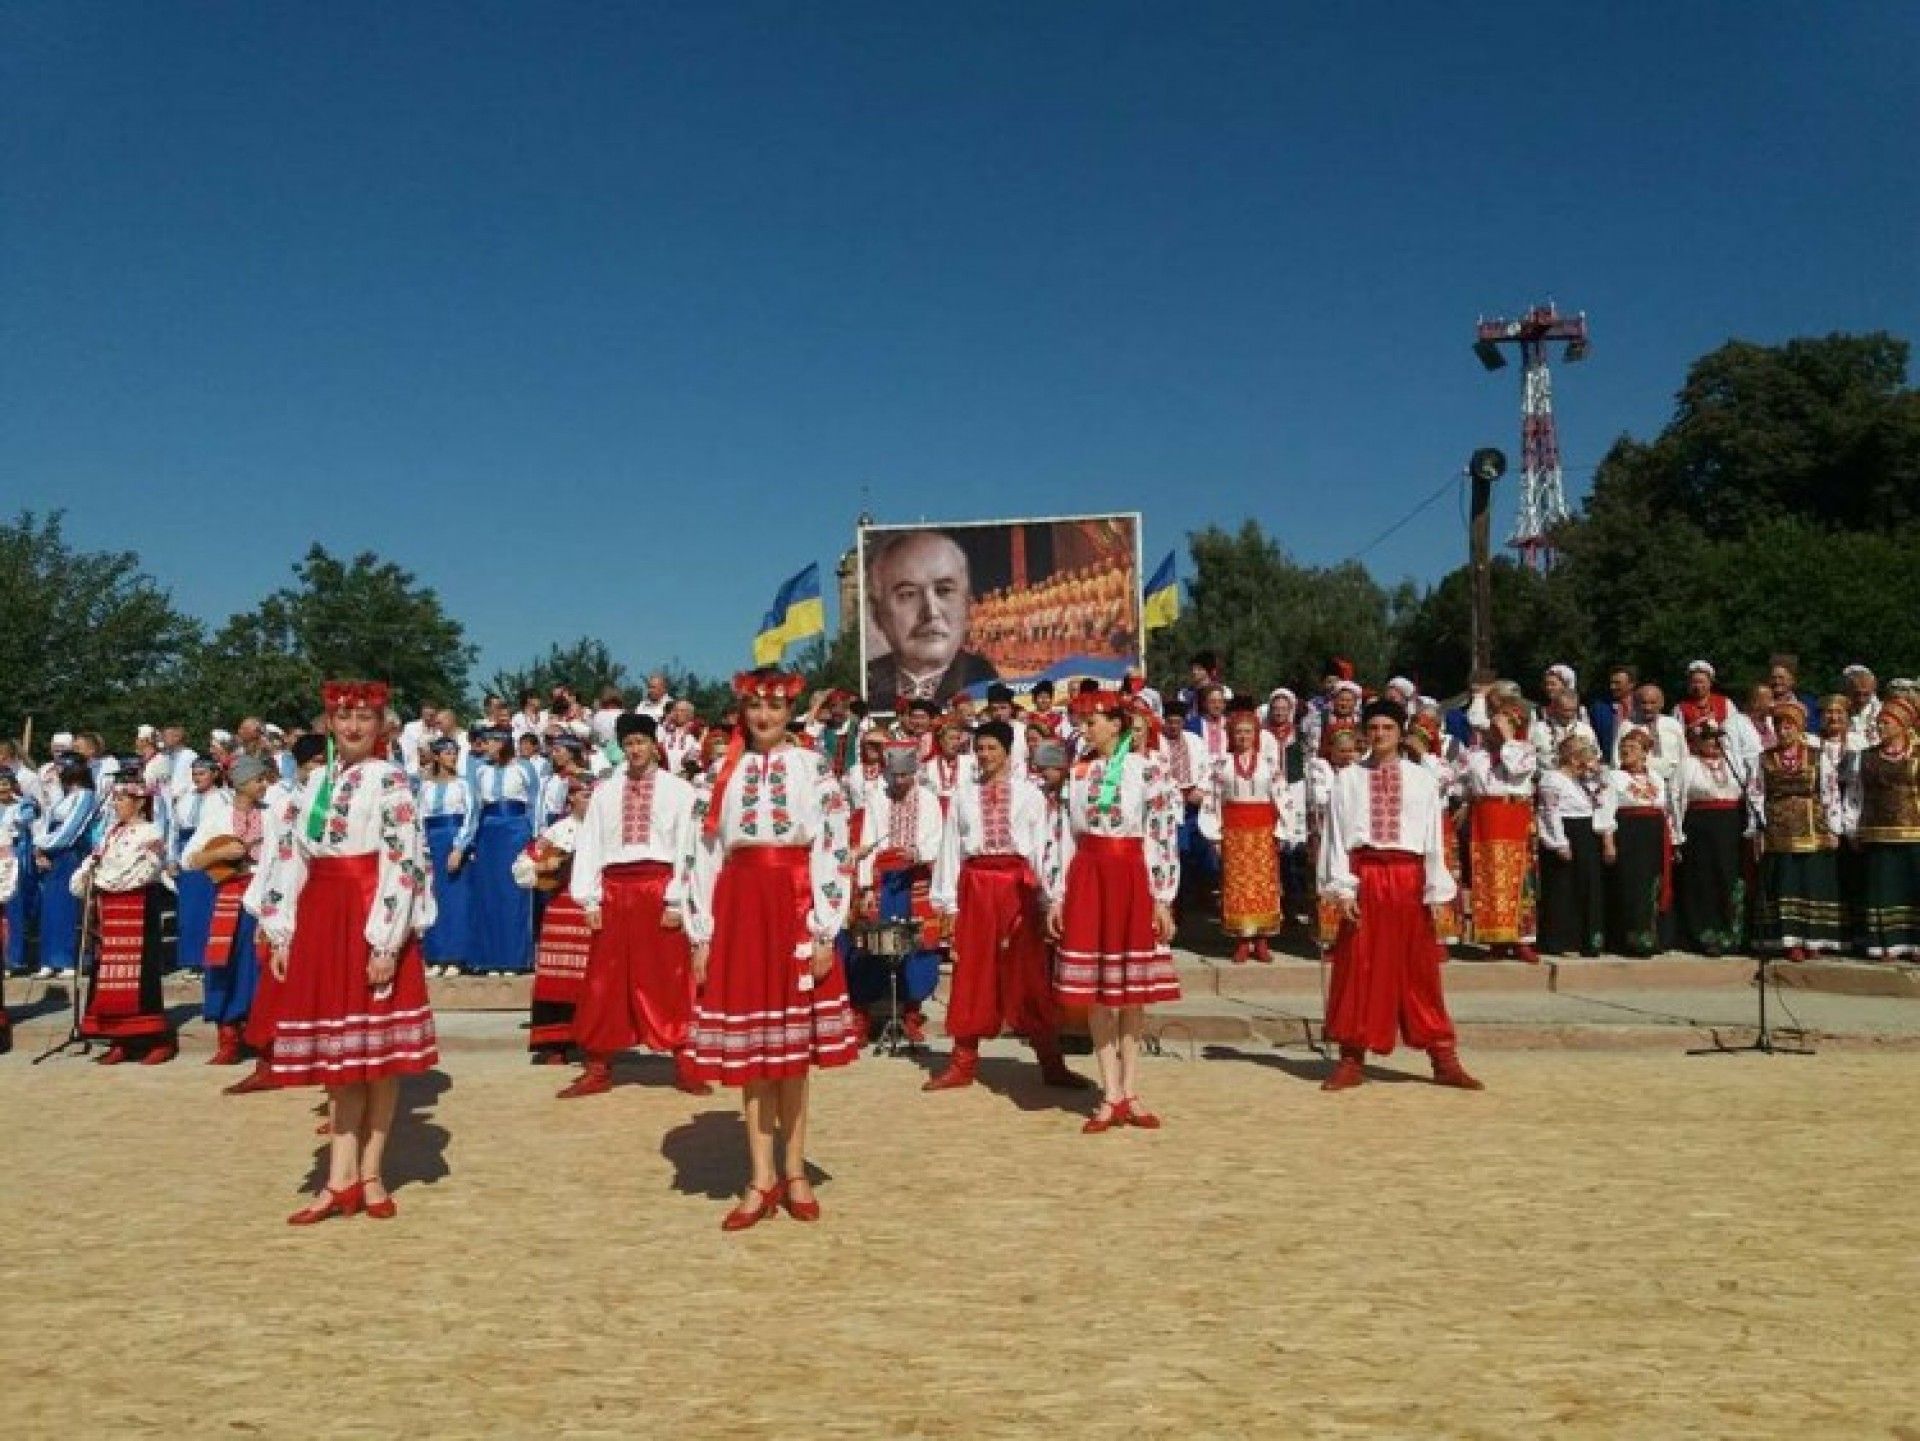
[
  {"x": 560, "y": 961},
  {"x": 639, "y": 986},
  {"x": 1000, "y": 977},
  {"x": 329, "y": 1030},
  {"x": 1249, "y": 869},
  {"x": 1505, "y": 878},
  {"x": 1108, "y": 955},
  {"x": 258, "y": 1030},
  {"x": 125, "y": 1003},
  {"x": 762, "y": 1016},
  {"x": 1386, "y": 967}
]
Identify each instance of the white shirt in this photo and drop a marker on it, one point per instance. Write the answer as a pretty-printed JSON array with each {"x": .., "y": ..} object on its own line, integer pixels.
[
  {"x": 910, "y": 822},
  {"x": 1509, "y": 775},
  {"x": 1669, "y": 743},
  {"x": 1564, "y": 798},
  {"x": 663, "y": 820},
  {"x": 1009, "y": 816},
  {"x": 1412, "y": 811},
  {"x": 1145, "y": 807}
]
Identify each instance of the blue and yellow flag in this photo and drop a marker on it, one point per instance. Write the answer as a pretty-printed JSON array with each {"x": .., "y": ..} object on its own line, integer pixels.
[
  {"x": 797, "y": 612},
  {"x": 1160, "y": 606}
]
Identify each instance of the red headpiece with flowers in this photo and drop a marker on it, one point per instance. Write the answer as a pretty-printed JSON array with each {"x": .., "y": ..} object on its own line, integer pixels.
[
  {"x": 341, "y": 694},
  {"x": 1098, "y": 702},
  {"x": 768, "y": 685}
]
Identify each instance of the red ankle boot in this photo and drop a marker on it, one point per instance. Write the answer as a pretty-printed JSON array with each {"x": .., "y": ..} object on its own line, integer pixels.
[
  {"x": 227, "y": 1052},
  {"x": 260, "y": 1078},
  {"x": 914, "y": 1023},
  {"x": 1447, "y": 1070},
  {"x": 684, "y": 1078},
  {"x": 159, "y": 1053},
  {"x": 596, "y": 1080},
  {"x": 1261, "y": 951},
  {"x": 960, "y": 1069},
  {"x": 1350, "y": 1072},
  {"x": 1241, "y": 952}
]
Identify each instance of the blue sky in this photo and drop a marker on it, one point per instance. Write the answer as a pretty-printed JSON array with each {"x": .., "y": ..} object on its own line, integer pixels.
[{"x": 606, "y": 318}]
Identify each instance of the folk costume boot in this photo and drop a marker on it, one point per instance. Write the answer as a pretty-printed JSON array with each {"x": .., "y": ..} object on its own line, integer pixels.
[
  {"x": 1447, "y": 1070},
  {"x": 260, "y": 1078},
  {"x": 595, "y": 1080},
  {"x": 1053, "y": 1066},
  {"x": 960, "y": 1069},
  {"x": 1350, "y": 1072},
  {"x": 1242, "y": 952},
  {"x": 227, "y": 1051},
  {"x": 1262, "y": 951},
  {"x": 684, "y": 1077}
]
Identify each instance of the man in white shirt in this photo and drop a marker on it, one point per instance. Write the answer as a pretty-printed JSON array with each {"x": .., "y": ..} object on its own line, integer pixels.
[{"x": 657, "y": 701}]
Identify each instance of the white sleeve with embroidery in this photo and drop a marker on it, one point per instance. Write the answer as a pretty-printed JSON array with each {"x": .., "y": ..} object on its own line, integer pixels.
[
  {"x": 1160, "y": 820},
  {"x": 403, "y": 903},
  {"x": 831, "y": 862},
  {"x": 944, "y": 890},
  {"x": 1546, "y": 818},
  {"x": 1440, "y": 885},
  {"x": 1336, "y": 874},
  {"x": 698, "y": 870}
]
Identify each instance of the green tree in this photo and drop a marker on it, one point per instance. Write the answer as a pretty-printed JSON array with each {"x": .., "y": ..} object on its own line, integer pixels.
[
  {"x": 1537, "y": 621},
  {"x": 1272, "y": 620},
  {"x": 585, "y": 664},
  {"x": 90, "y": 640},
  {"x": 363, "y": 618}
]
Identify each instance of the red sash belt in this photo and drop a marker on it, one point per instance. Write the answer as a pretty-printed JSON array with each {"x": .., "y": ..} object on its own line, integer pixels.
[
  {"x": 784, "y": 858},
  {"x": 1116, "y": 846}
]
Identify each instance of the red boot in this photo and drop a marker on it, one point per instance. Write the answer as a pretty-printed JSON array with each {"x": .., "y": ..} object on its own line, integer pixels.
[
  {"x": 1350, "y": 1072},
  {"x": 684, "y": 1078},
  {"x": 1526, "y": 953},
  {"x": 160, "y": 1053},
  {"x": 1261, "y": 951},
  {"x": 227, "y": 1052},
  {"x": 914, "y": 1023},
  {"x": 1447, "y": 1070},
  {"x": 1241, "y": 952},
  {"x": 595, "y": 1080},
  {"x": 258, "y": 1079},
  {"x": 960, "y": 1070},
  {"x": 1796, "y": 953}
]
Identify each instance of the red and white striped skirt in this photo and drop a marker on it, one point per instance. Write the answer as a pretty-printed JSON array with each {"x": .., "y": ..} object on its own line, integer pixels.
[
  {"x": 757, "y": 1018},
  {"x": 329, "y": 1029},
  {"x": 1108, "y": 955}
]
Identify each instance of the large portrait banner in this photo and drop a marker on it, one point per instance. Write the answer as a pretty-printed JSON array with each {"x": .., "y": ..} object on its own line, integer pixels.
[{"x": 952, "y": 608}]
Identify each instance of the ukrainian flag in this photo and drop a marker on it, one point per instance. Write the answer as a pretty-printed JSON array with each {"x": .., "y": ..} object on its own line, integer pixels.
[
  {"x": 1161, "y": 604},
  {"x": 797, "y": 613}
]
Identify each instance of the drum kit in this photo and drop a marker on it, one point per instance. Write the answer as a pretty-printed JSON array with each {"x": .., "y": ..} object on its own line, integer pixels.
[{"x": 912, "y": 975}]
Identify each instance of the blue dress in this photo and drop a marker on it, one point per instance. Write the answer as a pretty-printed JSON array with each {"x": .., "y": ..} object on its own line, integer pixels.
[
  {"x": 451, "y": 826},
  {"x": 64, "y": 841},
  {"x": 501, "y": 912},
  {"x": 23, "y": 907},
  {"x": 194, "y": 890}
]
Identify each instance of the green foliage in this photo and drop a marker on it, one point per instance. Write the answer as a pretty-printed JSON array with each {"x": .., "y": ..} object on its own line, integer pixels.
[
  {"x": 89, "y": 641},
  {"x": 1272, "y": 620},
  {"x": 585, "y": 664},
  {"x": 1538, "y": 621},
  {"x": 364, "y": 618}
]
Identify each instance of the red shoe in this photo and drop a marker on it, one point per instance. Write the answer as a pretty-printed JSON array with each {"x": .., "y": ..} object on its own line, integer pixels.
[
  {"x": 1262, "y": 952},
  {"x": 1350, "y": 1072},
  {"x": 959, "y": 1072},
  {"x": 1116, "y": 1116},
  {"x": 112, "y": 1056},
  {"x": 1796, "y": 953},
  {"x": 1138, "y": 1115},
  {"x": 1447, "y": 1071},
  {"x": 331, "y": 1203},
  {"x": 741, "y": 1219},
  {"x": 1241, "y": 952},
  {"x": 914, "y": 1023},
  {"x": 1527, "y": 954},
  {"x": 258, "y": 1079},
  {"x": 227, "y": 1053},
  {"x": 159, "y": 1055},
  {"x": 799, "y": 1210},
  {"x": 686, "y": 1080},
  {"x": 382, "y": 1209},
  {"x": 594, "y": 1081}
]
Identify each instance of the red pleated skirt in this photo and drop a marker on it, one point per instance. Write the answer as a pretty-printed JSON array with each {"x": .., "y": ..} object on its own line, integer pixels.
[
  {"x": 1108, "y": 955},
  {"x": 1000, "y": 979},
  {"x": 1386, "y": 968},
  {"x": 761, "y": 1016},
  {"x": 329, "y": 1028}
]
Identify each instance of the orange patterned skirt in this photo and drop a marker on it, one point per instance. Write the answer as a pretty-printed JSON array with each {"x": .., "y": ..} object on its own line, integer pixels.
[
  {"x": 1505, "y": 881},
  {"x": 1249, "y": 869}
]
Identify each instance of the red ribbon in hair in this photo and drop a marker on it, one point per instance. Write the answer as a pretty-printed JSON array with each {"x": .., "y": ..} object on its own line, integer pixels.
[{"x": 340, "y": 694}]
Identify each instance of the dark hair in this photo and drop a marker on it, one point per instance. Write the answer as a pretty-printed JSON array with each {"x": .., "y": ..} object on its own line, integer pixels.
[
  {"x": 75, "y": 772},
  {"x": 995, "y": 730},
  {"x": 309, "y": 747}
]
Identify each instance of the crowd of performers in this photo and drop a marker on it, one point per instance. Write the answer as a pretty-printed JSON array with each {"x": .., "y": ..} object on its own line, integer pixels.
[{"x": 710, "y": 891}]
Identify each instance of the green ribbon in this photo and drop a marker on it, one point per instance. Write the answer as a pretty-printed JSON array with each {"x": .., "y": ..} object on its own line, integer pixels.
[
  {"x": 1110, "y": 779},
  {"x": 322, "y": 799}
]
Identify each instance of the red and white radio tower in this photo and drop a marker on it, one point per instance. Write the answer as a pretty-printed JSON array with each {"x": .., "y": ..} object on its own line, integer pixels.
[{"x": 1543, "y": 503}]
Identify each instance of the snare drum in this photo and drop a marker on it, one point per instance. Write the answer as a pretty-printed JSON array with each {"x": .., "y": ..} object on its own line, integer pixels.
[{"x": 887, "y": 940}]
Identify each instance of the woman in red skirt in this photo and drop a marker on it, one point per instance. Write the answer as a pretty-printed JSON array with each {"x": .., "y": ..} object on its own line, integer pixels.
[
  {"x": 1110, "y": 882},
  {"x": 122, "y": 876},
  {"x": 343, "y": 904},
  {"x": 1383, "y": 864},
  {"x": 763, "y": 892}
]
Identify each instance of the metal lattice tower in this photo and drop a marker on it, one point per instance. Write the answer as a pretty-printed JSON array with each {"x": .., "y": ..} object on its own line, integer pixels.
[{"x": 1543, "y": 501}]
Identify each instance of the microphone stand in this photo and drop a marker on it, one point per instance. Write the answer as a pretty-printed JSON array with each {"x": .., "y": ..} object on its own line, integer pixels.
[{"x": 83, "y": 981}]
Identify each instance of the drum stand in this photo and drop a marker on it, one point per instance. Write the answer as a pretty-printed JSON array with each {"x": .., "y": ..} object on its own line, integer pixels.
[{"x": 892, "y": 1037}]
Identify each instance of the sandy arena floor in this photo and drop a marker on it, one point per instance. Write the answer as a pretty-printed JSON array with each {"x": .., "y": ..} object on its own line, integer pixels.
[{"x": 1601, "y": 1245}]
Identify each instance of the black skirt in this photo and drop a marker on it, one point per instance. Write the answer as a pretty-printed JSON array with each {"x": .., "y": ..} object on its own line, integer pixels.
[
  {"x": 1710, "y": 888},
  {"x": 1573, "y": 893},
  {"x": 1637, "y": 923}
]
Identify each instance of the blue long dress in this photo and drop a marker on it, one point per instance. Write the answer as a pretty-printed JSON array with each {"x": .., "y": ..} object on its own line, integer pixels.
[
  {"x": 451, "y": 826},
  {"x": 502, "y": 913},
  {"x": 64, "y": 841}
]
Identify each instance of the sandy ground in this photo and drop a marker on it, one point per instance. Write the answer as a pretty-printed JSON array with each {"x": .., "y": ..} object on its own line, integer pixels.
[{"x": 1607, "y": 1245}]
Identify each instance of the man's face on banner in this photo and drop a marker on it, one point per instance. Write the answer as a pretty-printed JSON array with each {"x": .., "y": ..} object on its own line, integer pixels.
[{"x": 920, "y": 593}]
